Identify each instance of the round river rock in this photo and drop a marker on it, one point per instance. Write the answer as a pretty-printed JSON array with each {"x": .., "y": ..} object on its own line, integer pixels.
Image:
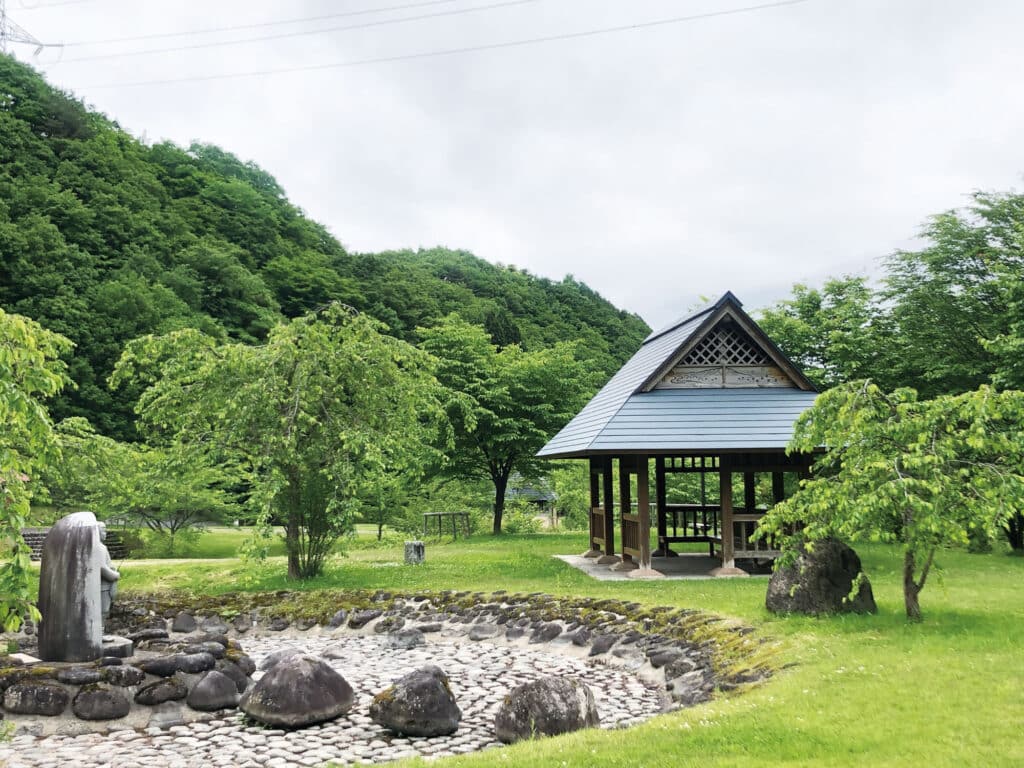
[{"x": 299, "y": 690}]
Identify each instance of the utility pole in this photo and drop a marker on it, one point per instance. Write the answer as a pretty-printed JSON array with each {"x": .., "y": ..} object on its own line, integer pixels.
[{"x": 12, "y": 33}]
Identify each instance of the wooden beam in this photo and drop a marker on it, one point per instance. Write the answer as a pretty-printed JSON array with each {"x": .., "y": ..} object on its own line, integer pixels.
[{"x": 625, "y": 496}]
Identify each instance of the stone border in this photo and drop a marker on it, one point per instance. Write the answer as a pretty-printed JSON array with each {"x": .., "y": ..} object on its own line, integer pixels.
[{"x": 688, "y": 654}]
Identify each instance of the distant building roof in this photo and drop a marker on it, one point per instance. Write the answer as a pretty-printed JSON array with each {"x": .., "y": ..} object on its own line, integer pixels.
[{"x": 711, "y": 381}]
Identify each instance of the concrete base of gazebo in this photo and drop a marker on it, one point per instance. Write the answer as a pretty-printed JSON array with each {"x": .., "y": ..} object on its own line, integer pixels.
[{"x": 685, "y": 566}]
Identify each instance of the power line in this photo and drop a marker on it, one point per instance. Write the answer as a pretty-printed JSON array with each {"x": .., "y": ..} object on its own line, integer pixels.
[
  {"x": 257, "y": 25},
  {"x": 458, "y": 51},
  {"x": 13, "y": 33},
  {"x": 301, "y": 33}
]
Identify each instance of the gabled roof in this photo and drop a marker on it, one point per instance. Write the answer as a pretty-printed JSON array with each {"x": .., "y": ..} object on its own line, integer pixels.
[{"x": 628, "y": 414}]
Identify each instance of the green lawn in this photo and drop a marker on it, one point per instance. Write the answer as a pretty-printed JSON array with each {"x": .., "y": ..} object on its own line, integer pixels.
[{"x": 857, "y": 690}]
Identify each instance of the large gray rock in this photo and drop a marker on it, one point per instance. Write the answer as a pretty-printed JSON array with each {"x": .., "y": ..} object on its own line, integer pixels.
[
  {"x": 405, "y": 639},
  {"x": 419, "y": 704},
  {"x": 168, "y": 689},
  {"x": 69, "y": 590},
  {"x": 184, "y": 622},
  {"x": 299, "y": 690},
  {"x": 214, "y": 691},
  {"x": 545, "y": 707},
  {"x": 100, "y": 702},
  {"x": 165, "y": 666},
  {"x": 820, "y": 581},
  {"x": 35, "y": 698},
  {"x": 125, "y": 675},
  {"x": 271, "y": 659}
]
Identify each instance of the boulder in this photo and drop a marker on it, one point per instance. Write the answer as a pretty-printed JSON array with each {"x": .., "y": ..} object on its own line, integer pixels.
[
  {"x": 79, "y": 675},
  {"x": 545, "y": 707},
  {"x": 165, "y": 666},
  {"x": 152, "y": 633},
  {"x": 338, "y": 619},
  {"x": 419, "y": 704},
  {"x": 360, "y": 619},
  {"x": 168, "y": 689},
  {"x": 545, "y": 633},
  {"x": 820, "y": 581},
  {"x": 214, "y": 649},
  {"x": 389, "y": 624},
  {"x": 232, "y": 670},
  {"x": 273, "y": 658},
  {"x": 100, "y": 702},
  {"x": 278, "y": 624},
  {"x": 482, "y": 631},
  {"x": 184, "y": 622},
  {"x": 35, "y": 698},
  {"x": 242, "y": 623},
  {"x": 214, "y": 624},
  {"x": 405, "y": 639},
  {"x": 214, "y": 691},
  {"x": 243, "y": 660},
  {"x": 602, "y": 643},
  {"x": 299, "y": 690},
  {"x": 124, "y": 676}
]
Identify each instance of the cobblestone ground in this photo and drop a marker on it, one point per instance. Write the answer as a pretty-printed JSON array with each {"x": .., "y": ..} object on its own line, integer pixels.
[{"x": 480, "y": 673}]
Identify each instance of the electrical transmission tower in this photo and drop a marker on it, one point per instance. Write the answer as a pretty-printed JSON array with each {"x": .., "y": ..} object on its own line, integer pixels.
[{"x": 12, "y": 33}]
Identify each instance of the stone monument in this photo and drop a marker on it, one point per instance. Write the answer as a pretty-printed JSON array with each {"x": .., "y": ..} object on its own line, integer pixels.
[{"x": 77, "y": 584}]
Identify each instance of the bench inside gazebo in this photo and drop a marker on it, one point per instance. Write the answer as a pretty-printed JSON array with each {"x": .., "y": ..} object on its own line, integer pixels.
[{"x": 711, "y": 401}]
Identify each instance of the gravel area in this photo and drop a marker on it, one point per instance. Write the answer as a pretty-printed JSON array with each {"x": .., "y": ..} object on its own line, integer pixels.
[{"x": 481, "y": 673}]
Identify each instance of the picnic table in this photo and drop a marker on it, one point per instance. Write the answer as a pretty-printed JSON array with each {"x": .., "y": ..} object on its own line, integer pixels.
[{"x": 440, "y": 517}]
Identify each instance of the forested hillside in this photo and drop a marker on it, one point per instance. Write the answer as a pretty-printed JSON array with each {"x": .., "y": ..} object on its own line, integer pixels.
[{"x": 103, "y": 239}]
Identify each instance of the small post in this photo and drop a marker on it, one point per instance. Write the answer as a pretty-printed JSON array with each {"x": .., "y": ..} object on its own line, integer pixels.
[{"x": 415, "y": 552}]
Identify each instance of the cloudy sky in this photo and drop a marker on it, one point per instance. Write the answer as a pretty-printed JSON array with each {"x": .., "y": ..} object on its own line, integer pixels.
[{"x": 743, "y": 151}]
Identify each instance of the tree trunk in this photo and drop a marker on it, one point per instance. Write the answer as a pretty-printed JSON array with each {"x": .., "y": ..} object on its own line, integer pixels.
[
  {"x": 910, "y": 588},
  {"x": 1015, "y": 531},
  {"x": 500, "y": 484},
  {"x": 291, "y": 543}
]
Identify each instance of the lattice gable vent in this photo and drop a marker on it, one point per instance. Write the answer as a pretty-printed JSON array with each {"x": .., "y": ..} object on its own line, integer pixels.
[{"x": 726, "y": 344}]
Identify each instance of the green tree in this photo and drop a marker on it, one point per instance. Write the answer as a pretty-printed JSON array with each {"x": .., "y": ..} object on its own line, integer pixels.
[
  {"x": 30, "y": 372},
  {"x": 956, "y": 293},
  {"x": 165, "y": 490},
  {"x": 320, "y": 412},
  {"x": 921, "y": 473},
  {"x": 503, "y": 404},
  {"x": 837, "y": 333}
]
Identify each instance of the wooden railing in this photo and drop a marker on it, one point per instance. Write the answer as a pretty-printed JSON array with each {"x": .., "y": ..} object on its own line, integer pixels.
[
  {"x": 693, "y": 520},
  {"x": 597, "y": 532},
  {"x": 631, "y": 535},
  {"x": 743, "y": 526}
]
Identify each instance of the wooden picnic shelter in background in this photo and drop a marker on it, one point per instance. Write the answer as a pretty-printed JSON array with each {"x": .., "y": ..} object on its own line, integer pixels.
[{"x": 709, "y": 396}]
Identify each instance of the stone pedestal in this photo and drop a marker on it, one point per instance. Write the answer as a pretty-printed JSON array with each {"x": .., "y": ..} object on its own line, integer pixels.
[
  {"x": 726, "y": 571},
  {"x": 646, "y": 573},
  {"x": 592, "y": 553},
  {"x": 415, "y": 553},
  {"x": 607, "y": 559},
  {"x": 625, "y": 565}
]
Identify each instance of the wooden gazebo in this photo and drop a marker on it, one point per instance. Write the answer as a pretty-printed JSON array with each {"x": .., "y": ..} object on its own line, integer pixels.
[{"x": 710, "y": 398}]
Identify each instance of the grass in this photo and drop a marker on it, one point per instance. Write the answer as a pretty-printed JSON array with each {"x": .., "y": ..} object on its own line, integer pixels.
[{"x": 856, "y": 690}]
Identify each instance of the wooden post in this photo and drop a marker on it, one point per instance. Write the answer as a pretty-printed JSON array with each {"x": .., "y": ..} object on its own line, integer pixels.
[
  {"x": 595, "y": 502},
  {"x": 661, "y": 502},
  {"x": 725, "y": 495},
  {"x": 643, "y": 507},
  {"x": 778, "y": 487},
  {"x": 625, "y": 509},
  {"x": 608, "y": 484},
  {"x": 749, "y": 493}
]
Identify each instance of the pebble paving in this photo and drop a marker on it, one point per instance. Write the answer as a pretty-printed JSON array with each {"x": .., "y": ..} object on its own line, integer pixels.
[{"x": 480, "y": 674}]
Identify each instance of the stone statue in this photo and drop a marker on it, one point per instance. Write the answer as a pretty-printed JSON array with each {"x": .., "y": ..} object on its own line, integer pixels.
[
  {"x": 108, "y": 576},
  {"x": 76, "y": 587}
]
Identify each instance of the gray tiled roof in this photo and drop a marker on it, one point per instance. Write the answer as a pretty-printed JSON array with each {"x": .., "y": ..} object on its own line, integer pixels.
[{"x": 622, "y": 418}]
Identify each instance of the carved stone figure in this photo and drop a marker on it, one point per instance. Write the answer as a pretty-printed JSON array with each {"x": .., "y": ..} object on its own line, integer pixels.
[
  {"x": 108, "y": 576},
  {"x": 75, "y": 569}
]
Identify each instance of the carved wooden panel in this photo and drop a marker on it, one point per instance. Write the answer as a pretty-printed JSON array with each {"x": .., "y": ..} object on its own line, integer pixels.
[{"x": 724, "y": 377}]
